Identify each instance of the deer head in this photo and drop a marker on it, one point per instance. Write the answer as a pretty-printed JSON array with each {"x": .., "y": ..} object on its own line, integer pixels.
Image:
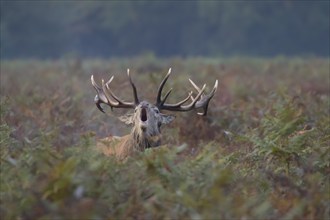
[{"x": 147, "y": 118}]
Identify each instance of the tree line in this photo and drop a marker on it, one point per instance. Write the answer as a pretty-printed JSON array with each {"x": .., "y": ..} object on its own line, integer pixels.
[{"x": 51, "y": 29}]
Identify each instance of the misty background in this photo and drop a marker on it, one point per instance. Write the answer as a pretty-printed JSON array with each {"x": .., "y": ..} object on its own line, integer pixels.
[{"x": 93, "y": 29}]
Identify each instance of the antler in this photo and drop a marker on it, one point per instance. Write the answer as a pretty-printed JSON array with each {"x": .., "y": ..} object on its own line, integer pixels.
[
  {"x": 106, "y": 96},
  {"x": 200, "y": 101}
]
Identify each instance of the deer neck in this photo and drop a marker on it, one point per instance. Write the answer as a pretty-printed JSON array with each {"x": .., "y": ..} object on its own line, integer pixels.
[{"x": 142, "y": 140}]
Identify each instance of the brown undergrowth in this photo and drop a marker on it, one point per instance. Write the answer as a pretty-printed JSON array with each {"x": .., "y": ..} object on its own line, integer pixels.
[{"x": 261, "y": 153}]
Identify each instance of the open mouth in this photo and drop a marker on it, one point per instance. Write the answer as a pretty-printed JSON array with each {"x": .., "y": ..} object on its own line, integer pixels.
[{"x": 144, "y": 115}]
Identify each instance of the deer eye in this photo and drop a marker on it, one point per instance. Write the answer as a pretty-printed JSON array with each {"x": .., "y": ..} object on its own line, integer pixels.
[{"x": 156, "y": 110}]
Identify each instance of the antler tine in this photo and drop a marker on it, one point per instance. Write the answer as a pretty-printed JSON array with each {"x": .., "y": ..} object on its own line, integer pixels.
[
  {"x": 192, "y": 104},
  {"x": 178, "y": 106},
  {"x": 120, "y": 103},
  {"x": 183, "y": 101},
  {"x": 136, "y": 99},
  {"x": 194, "y": 85},
  {"x": 106, "y": 96},
  {"x": 199, "y": 101},
  {"x": 107, "y": 90},
  {"x": 166, "y": 96},
  {"x": 100, "y": 96},
  {"x": 160, "y": 89},
  {"x": 204, "y": 101}
]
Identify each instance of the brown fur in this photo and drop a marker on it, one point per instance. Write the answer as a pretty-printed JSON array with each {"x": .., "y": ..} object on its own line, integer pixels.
[
  {"x": 144, "y": 134},
  {"x": 123, "y": 147}
]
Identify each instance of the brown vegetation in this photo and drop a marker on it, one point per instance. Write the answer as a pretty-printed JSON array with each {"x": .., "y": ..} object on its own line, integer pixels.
[{"x": 262, "y": 152}]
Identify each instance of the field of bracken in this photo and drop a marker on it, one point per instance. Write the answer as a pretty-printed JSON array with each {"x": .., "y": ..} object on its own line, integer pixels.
[{"x": 262, "y": 152}]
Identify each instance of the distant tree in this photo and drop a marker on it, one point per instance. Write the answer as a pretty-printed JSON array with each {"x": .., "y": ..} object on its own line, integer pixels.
[{"x": 51, "y": 29}]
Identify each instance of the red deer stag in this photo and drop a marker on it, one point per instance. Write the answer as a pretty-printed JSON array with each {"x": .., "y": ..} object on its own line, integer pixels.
[{"x": 147, "y": 118}]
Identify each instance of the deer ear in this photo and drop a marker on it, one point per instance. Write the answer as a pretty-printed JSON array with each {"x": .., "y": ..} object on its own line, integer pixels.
[
  {"x": 166, "y": 119},
  {"x": 127, "y": 119}
]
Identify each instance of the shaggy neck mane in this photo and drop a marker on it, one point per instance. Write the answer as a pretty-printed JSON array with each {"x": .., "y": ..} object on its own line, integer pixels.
[{"x": 142, "y": 140}]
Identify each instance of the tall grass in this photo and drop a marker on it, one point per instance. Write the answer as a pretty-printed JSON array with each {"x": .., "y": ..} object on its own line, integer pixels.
[{"x": 261, "y": 153}]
